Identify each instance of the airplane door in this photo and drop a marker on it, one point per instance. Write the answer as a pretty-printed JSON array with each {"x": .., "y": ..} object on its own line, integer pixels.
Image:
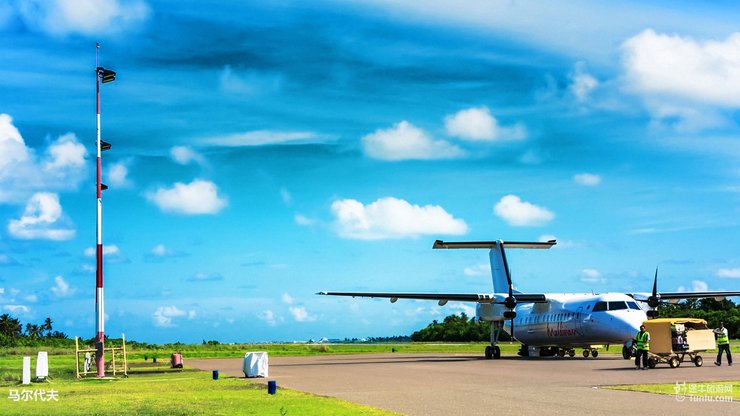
[{"x": 580, "y": 318}]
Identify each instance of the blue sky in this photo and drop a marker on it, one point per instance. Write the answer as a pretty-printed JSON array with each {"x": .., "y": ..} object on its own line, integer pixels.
[{"x": 264, "y": 151}]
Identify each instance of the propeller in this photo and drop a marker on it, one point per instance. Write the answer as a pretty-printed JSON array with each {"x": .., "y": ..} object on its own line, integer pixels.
[{"x": 654, "y": 299}]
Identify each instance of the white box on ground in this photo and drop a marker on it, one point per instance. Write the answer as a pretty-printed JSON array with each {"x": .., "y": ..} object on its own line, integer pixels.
[
  {"x": 255, "y": 364},
  {"x": 42, "y": 365},
  {"x": 26, "y": 370}
]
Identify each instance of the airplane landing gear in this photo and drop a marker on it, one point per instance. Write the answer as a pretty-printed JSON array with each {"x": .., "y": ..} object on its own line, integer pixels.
[
  {"x": 585, "y": 353},
  {"x": 593, "y": 353},
  {"x": 493, "y": 350}
]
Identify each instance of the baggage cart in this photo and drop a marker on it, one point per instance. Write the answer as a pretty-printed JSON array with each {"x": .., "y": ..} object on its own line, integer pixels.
[{"x": 672, "y": 339}]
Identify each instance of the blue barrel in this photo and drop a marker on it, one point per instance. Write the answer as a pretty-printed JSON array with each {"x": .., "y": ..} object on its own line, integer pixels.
[
  {"x": 215, "y": 374},
  {"x": 271, "y": 387}
]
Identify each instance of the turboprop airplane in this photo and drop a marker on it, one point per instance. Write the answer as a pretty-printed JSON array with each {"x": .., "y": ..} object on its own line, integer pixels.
[{"x": 549, "y": 323}]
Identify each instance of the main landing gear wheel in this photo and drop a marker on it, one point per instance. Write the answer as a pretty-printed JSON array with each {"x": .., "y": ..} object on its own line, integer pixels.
[
  {"x": 585, "y": 353},
  {"x": 698, "y": 361},
  {"x": 493, "y": 352},
  {"x": 561, "y": 352},
  {"x": 594, "y": 353},
  {"x": 571, "y": 353}
]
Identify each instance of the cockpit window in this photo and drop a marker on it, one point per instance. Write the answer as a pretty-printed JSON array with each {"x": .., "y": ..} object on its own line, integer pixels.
[
  {"x": 600, "y": 306},
  {"x": 616, "y": 306},
  {"x": 633, "y": 305}
]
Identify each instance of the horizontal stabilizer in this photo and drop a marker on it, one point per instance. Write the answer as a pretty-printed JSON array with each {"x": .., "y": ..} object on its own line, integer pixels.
[{"x": 492, "y": 244}]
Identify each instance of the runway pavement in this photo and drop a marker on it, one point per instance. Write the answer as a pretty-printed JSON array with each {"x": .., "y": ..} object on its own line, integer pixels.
[{"x": 445, "y": 384}]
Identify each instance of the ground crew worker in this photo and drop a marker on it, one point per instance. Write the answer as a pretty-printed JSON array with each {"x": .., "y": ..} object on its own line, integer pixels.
[
  {"x": 723, "y": 344},
  {"x": 642, "y": 344}
]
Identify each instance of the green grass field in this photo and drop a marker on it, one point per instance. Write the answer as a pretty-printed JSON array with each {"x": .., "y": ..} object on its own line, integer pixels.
[
  {"x": 156, "y": 389},
  {"x": 728, "y": 390}
]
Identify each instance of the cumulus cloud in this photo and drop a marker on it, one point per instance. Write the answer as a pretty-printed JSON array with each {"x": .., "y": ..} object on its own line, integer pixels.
[
  {"x": 733, "y": 273},
  {"x": 118, "y": 175},
  {"x": 61, "y": 288},
  {"x": 108, "y": 250},
  {"x": 287, "y": 299},
  {"x": 405, "y": 141},
  {"x": 303, "y": 220},
  {"x": 16, "y": 308},
  {"x": 22, "y": 172},
  {"x": 300, "y": 314},
  {"x": 163, "y": 316},
  {"x": 268, "y": 316},
  {"x": 42, "y": 219},
  {"x": 587, "y": 179},
  {"x": 681, "y": 67},
  {"x": 392, "y": 218},
  {"x": 696, "y": 286},
  {"x": 477, "y": 124},
  {"x": 520, "y": 213},
  {"x": 184, "y": 155},
  {"x": 582, "y": 83},
  {"x": 195, "y": 198},
  {"x": 87, "y": 17}
]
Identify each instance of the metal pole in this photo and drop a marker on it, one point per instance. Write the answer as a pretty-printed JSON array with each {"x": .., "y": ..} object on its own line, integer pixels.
[{"x": 100, "y": 315}]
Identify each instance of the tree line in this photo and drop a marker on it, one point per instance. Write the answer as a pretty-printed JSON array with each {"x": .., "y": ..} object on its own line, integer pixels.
[
  {"x": 460, "y": 328},
  {"x": 14, "y": 333}
]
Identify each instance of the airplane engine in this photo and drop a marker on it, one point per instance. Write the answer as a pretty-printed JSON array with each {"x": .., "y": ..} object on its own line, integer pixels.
[{"x": 490, "y": 312}]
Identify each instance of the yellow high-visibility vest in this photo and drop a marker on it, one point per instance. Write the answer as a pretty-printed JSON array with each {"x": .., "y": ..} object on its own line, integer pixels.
[{"x": 643, "y": 342}]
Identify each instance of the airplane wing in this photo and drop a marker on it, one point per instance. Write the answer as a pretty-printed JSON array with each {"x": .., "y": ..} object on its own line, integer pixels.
[
  {"x": 685, "y": 295},
  {"x": 444, "y": 297}
]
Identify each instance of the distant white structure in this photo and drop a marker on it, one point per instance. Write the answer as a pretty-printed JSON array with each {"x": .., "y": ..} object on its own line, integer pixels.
[
  {"x": 26, "y": 370},
  {"x": 42, "y": 365}
]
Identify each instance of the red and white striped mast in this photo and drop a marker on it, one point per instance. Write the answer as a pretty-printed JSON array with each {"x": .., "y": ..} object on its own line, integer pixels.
[{"x": 104, "y": 75}]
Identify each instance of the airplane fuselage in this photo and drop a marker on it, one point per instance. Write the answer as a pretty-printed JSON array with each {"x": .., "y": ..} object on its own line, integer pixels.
[{"x": 571, "y": 320}]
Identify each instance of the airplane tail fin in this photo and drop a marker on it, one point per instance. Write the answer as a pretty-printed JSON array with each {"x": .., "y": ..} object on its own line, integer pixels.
[{"x": 499, "y": 266}]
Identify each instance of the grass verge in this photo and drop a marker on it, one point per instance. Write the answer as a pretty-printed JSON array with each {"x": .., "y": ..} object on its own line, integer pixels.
[{"x": 699, "y": 391}]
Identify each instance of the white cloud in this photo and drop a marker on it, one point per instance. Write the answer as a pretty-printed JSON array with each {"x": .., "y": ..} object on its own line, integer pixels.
[
  {"x": 303, "y": 220},
  {"x": 477, "y": 124},
  {"x": 468, "y": 309},
  {"x": 22, "y": 173},
  {"x": 108, "y": 250},
  {"x": 184, "y": 155},
  {"x": 696, "y": 286},
  {"x": 65, "y": 152},
  {"x": 582, "y": 83},
  {"x": 733, "y": 273},
  {"x": 592, "y": 276},
  {"x": 263, "y": 138},
  {"x": 287, "y": 299},
  {"x": 300, "y": 314},
  {"x": 268, "y": 316},
  {"x": 521, "y": 214},
  {"x": 42, "y": 219},
  {"x": 16, "y": 308},
  {"x": 195, "y": 198},
  {"x": 192, "y": 314},
  {"x": 87, "y": 17},
  {"x": 159, "y": 250},
  {"x": 587, "y": 179},
  {"x": 392, "y": 218},
  {"x": 405, "y": 141},
  {"x": 681, "y": 67},
  {"x": 61, "y": 288},
  {"x": 118, "y": 176},
  {"x": 31, "y": 298},
  {"x": 163, "y": 316}
]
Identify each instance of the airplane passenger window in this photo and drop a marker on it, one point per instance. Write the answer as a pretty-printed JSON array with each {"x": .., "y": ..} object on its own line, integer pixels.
[
  {"x": 633, "y": 305},
  {"x": 616, "y": 306},
  {"x": 600, "y": 306}
]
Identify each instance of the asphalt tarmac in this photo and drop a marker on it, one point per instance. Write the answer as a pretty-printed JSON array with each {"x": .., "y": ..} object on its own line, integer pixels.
[{"x": 448, "y": 384}]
